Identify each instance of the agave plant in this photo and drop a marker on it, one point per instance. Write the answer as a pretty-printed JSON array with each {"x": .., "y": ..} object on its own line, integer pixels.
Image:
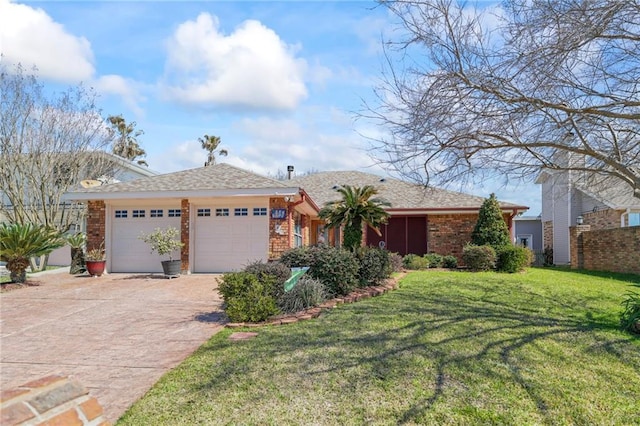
[{"x": 19, "y": 243}]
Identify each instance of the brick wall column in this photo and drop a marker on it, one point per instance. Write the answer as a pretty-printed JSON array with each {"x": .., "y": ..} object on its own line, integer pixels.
[
  {"x": 185, "y": 235},
  {"x": 279, "y": 229},
  {"x": 96, "y": 224},
  {"x": 576, "y": 245},
  {"x": 547, "y": 234}
]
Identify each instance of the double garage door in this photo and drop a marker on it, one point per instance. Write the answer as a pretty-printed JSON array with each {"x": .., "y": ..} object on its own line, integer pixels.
[{"x": 223, "y": 237}]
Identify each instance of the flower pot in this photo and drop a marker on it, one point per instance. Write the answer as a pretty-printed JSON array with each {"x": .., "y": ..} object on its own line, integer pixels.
[
  {"x": 95, "y": 268},
  {"x": 171, "y": 268}
]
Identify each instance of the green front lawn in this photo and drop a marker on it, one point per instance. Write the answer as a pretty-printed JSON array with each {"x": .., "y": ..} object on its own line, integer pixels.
[{"x": 446, "y": 348}]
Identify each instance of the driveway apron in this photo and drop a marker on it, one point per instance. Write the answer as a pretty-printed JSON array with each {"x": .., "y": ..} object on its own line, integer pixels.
[{"x": 116, "y": 334}]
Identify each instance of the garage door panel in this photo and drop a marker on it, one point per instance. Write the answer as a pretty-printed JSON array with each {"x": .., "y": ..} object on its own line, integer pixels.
[
  {"x": 130, "y": 254},
  {"x": 224, "y": 244}
]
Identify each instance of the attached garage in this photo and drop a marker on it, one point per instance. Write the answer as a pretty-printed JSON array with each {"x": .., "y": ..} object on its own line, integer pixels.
[
  {"x": 229, "y": 235},
  {"x": 126, "y": 252}
]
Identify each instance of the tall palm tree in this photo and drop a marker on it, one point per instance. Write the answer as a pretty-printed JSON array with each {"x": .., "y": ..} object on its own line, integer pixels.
[
  {"x": 210, "y": 144},
  {"x": 355, "y": 209},
  {"x": 19, "y": 243},
  {"x": 126, "y": 142}
]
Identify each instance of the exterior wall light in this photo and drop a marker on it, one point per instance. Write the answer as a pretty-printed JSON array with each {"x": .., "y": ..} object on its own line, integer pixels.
[{"x": 580, "y": 220}]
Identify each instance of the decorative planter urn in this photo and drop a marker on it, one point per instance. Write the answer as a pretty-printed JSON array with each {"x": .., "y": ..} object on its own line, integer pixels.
[
  {"x": 171, "y": 268},
  {"x": 95, "y": 268}
]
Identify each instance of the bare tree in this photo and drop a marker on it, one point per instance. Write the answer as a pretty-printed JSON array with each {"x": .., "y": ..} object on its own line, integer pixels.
[
  {"x": 48, "y": 143},
  {"x": 511, "y": 90},
  {"x": 125, "y": 137}
]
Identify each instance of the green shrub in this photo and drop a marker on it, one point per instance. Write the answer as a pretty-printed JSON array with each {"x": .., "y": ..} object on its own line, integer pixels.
[
  {"x": 434, "y": 260},
  {"x": 491, "y": 228},
  {"x": 395, "y": 261},
  {"x": 336, "y": 268},
  {"x": 630, "y": 316},
  {"x": 246, "y": 297},
  {"x": 479, "y": 258},
  {"x": 512, "y": 258},
  {"x": 278, "y": 271},
  {"x": 415, "y": 262},
  {"x": 450, "y": 262},
  {"x": 374, "y": 265},
  {"x": 307, "y": 293}
]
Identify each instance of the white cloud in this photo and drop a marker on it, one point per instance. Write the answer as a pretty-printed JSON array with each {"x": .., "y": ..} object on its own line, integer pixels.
[
  {"x": 251, "y": 67},
  {"x": 29, "y": 36},
  {"x": 124, "y": 88}
]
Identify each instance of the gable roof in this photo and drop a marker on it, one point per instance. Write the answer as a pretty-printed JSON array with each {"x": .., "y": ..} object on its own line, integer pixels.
[
  {"x": 402, "y": 195},
  {"x": 611, "y": 191},
  {"x": 215, "y": 180}
]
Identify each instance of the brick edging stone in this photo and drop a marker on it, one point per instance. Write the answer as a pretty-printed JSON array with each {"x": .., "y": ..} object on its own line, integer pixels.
[{"x": 51, "y": 400}]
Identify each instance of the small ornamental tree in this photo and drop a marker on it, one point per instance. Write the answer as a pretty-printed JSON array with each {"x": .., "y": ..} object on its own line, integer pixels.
[
  {"x": 163, "y": 241},
  {"x": 490, "y": 229}
]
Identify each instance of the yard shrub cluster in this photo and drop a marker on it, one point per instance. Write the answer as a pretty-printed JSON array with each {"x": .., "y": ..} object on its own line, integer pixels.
[
  {"x": 336, "y": 268},
  {"x": 479, "y": 258},
  {"x": 248, "y": 298},
  {"x": 630, "y": 316},
  {"x": 374, "y": 265},
  {"x": 429, "y": 260},
  {"x": 307, "y": 293},
  {"x": 257, "y": 293},
  {"x": 512, "y": 258},
  {"x": 395, "y": 262}
]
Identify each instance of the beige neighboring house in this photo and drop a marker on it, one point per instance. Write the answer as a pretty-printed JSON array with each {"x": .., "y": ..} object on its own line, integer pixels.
[
  {"x": 122, "y": 170},
  {"x": 568, "y": 198}
]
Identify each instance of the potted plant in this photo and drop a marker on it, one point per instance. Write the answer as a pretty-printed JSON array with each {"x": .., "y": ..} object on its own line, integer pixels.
[
  {"x": 165, "y": 242},
  {"x": 95, "y": 261}
]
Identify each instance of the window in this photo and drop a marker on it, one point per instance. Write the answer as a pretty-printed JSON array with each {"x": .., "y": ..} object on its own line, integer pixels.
[
  {"x": 174, "y": 213},
  {"x": 240, "y": 211},
  {"x": 204, "y": 212},
  {"x": 634, "y": 219},
  {"x": 525, "y": 240},
  {"x": 297, "y": 231},
  {"x": 222, "y": 212},
  {"x": 156, "y": 213},
  {"x": 120, "y": 214},
  {"x": 137, "y": 213},
  {"x": 259, "y": 211}
]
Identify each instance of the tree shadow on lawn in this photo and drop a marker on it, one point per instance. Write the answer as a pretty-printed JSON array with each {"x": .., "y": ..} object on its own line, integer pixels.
[
  {"x": 450, "y": 334},
  {"x": 623, "y": 277}
]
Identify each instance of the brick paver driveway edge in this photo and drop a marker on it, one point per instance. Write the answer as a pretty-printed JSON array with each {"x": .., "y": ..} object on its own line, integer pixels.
[{"x": 116, "y": 334}]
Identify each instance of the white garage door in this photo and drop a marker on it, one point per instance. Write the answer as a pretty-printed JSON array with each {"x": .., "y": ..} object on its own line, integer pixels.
[
  {"x": 128, "y": 252},
  {"x": 228, "y": 238}
]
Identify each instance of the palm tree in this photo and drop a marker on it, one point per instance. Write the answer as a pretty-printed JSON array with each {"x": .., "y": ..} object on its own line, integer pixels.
[
  {"x": 355, "y": 209},
  {"x": 210, "y": 144},
  {"x": 19, "y": 243},
  {"x": 126, "y": 142}
]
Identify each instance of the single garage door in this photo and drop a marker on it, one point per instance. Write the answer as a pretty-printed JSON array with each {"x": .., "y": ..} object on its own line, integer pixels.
[
  {"x": 229, "y": 237},
  {"x": 128, "y": 252}
]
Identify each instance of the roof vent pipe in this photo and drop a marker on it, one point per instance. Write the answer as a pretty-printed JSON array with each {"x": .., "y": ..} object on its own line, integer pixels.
[{"x": 289, "y": 171}]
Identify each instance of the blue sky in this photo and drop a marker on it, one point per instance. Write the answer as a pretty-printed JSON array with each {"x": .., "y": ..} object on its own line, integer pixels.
[{"x": 279, "y": 82}]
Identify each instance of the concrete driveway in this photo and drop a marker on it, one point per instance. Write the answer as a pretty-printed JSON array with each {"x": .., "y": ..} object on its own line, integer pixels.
[{"x": 116, "y": 334}]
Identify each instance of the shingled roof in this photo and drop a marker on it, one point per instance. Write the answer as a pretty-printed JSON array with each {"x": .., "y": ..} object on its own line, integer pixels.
[
  {"x": 215, "y": 177},
  {"x": 321, "y": 187}
]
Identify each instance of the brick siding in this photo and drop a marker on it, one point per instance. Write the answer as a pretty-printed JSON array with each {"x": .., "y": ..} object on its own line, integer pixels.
[
  {"x": 613, "y": 249},
  {"x": 51, "y": 400},
  {"x": 547, "y": 234},
  {"x": 603, "y": 219},
  {"x": 279, "y": 243},
  {"x": 96, "y": 223}
]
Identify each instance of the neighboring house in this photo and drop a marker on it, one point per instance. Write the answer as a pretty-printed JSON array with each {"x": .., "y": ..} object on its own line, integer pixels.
[
  {"x": 569, "y": 198},
  {"x": 422, "y": 220},
  {"x": 230, "y": 217},
  {"x": 122, "y": 170},
  {"x": 528, "y": 232}
]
